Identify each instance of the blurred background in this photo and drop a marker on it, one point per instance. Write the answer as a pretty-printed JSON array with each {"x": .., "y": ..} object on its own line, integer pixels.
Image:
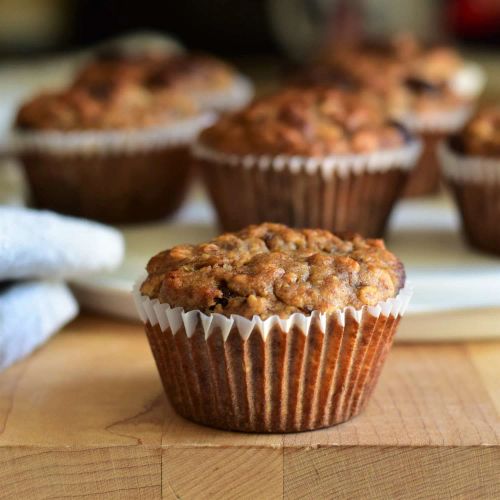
[
  {"x": 240, "y": 27},
  {"x": 261, "y": 36}
]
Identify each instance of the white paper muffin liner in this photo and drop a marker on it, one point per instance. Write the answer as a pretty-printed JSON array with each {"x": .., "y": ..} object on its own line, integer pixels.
[
  {"x": 238, "y": 95},
  {"x": 108, "y": 142},
  {"x": 353, "y": 193},
  {"x": 176, "y": 319},
  {"x": 440, "y": 122},
  {"x": 403, "y": 158},
  {"x": 468, "y": 169},
  {"x": 475, "y": 184},
  {"x": 273, "y": 375}
]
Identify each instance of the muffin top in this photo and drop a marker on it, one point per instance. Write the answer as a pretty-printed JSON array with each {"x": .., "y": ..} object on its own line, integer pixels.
[
  {"x": 156, "y": 72},
  {"x": 481, "y": 135},
  {"x": 271, "y": 269},
  {"x": 410, "y": 76},
  {"x": 311, "y": 122},
  {"x": 398, "y": 57},
  {"x": 402, "y": 95},
  {"x": 115, "y": 104}
]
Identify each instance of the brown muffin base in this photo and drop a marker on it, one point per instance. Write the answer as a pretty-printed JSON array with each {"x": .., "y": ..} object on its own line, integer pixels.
[
  {"x": 425, "y": 178},
  {"x": 479, "y": 206},
  {"x": 112, "y": 188},
  {"x": 359, "y": 203},
  {"x": 289, "y": 382}
]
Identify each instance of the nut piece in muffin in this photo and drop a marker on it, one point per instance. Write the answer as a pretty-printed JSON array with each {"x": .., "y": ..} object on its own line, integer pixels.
[
  {"x": 310, "y": 122},
  {"x": 271, "y": 269}
]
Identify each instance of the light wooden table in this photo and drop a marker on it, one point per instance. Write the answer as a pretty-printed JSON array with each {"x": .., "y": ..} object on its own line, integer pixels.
[{"x": 86, "y": 416}]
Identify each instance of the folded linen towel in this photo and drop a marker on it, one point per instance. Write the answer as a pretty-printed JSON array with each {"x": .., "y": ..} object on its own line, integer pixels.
[
  {"x": 30, "y": 312},
  {"x": 41, "y": 244}
]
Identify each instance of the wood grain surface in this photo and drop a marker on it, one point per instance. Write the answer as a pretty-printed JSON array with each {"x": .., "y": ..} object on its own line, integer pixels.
[{"x": 85, "y": 416}]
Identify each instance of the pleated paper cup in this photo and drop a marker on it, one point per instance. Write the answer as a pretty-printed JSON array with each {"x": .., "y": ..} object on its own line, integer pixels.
[
  {"x": 111, "y": 176},
  {"x": 475, "y": 184},
  {"x": 273, "y": 375},
  {"x": 354, "y": 193}
]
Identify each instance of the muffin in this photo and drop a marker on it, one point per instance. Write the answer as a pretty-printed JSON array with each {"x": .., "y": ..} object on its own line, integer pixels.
[
  {"x": 471, "y": 167},
  {"x": 272, "y": 329},
  {"x": 429, "y": 88},
  {"x": 215, "y": 85},
  {"x": 433, "y": 111},
  {"x": 316, "y": 157},
  {"x": 112, "y": 151}
]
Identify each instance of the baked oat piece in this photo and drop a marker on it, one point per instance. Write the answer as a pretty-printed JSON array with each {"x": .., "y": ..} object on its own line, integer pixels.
[
  {"x": 272, "y": 269},
  {"x": 310, "y": 122}
]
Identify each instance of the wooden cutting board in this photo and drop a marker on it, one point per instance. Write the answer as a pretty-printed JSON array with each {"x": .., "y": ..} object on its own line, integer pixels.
[{"x": 86, "y": 416}]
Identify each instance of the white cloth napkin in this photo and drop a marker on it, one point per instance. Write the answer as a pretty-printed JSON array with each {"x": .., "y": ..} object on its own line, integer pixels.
[
  {"x": 30, "y": 312},
  {"x": 38, "y": 245}
]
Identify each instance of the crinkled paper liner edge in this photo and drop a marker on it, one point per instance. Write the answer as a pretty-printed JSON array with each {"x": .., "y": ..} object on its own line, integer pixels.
[
  {"x": 462, "y": 168},
  {"x": 176, "y": 318},
  {"x": 439, "y": 121},
  {"x": 379, "y": 161},
  {"x": 88, "y": 143}
]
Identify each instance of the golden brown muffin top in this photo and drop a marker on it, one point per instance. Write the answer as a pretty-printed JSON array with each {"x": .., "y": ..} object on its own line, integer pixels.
[
  {"x": 186, "y": 72},
  {"x": 104, "y": 106},
  {"x": 411, "y": 77},
  {"x": 398, "y": 57},
  {"x": 270, "y": 269},
  {"x": 481, "y": 135},
  {"x": 410, "y": 95},
  {"x": 310, "y": 122}
]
